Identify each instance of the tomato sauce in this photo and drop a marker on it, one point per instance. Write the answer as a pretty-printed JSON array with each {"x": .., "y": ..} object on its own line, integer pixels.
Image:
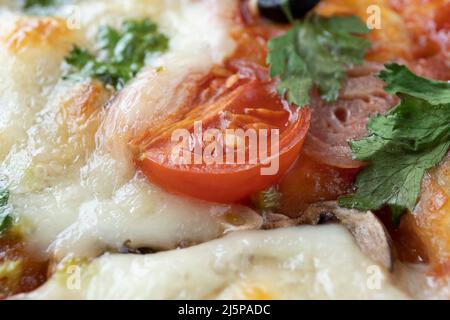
[
  {"x": 31, "y": 271},
  {"x": 310, "y": 181}
]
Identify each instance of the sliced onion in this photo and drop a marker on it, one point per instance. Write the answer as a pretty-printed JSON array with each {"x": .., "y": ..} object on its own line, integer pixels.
[{"x": 334, "y": 124}]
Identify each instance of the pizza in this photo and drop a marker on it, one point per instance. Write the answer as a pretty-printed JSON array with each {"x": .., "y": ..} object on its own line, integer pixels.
[{"x": 232, "y": 149}]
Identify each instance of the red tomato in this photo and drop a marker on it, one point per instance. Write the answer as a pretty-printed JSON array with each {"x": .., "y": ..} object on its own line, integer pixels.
[
  {"x": 242, "y": 97},
  {"x": 311, "y": 181}
]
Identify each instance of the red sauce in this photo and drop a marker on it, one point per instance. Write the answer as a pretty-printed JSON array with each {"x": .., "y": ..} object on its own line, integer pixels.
[
  {"x": 442, "y": 270},
  {"x": 33, "y": 270},
  {"x": 310, "y": 182},
  {"x": 408, "y": 245}
]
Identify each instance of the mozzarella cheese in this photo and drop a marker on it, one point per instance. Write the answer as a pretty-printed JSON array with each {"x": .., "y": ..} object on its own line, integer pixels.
[
  {"x": 73, "y": 184},
  {"x": 295, "y": 263}
]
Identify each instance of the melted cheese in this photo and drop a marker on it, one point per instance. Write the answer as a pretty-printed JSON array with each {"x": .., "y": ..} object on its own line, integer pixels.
[
  {"x": 296, "y": 263},
  {"x": 29, "y": 72},
  {"x": 73, "y": 184}
]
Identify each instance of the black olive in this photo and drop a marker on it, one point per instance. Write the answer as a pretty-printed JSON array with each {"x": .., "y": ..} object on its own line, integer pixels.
[{"x": 273, "y": 10}]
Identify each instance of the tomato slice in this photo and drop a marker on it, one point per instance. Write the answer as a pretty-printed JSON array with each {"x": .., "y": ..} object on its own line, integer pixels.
[{"x": 241, "y": 96}]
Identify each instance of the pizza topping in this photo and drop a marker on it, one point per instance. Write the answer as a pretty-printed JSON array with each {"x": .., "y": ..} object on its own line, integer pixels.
[
  {"x": 402, "y": 144},
  {"x": 121, "y": 53},
  {"x": 10, "y": 275},
  {"x": 426, "y": 231},
  {"x": 5, "y": 218},
  {"x": 317, "y": 51},
  {"x": 267, "y": 200},
  {"x": 235, "y": 128},
  {"x": 41, "y": 7},
  {"x": 30, "y": 4},
  {"x": 370, "y": 234},
  {"x": 334, "y": 124},
  {"x": 21, "y": 269},
  {"x": 285, "y": 10},
  {"x": 311, "y": 181}
]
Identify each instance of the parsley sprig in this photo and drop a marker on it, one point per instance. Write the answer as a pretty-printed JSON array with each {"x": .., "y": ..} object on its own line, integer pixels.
[
  {"x": 29, "y": 4},
  {"x": 121, "y": 53},
  {"x": 5, "y": 209},
  {"x": 316, "y": 51},
  {"x": 402, "y": 144},
  {"x": 42, "y": 7}
]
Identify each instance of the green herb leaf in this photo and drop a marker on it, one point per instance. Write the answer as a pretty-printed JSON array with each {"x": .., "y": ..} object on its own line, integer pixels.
[
  {"x": 400, "y": 79},
  {"x": 402, "y": 144},
  {"x": 317, "y": 51},
  {"x": 121, "y": 53},
  {"x": 29, "y": 4},
  {"x": 5, "y": 209},
  {"x": 285, "y": 6},
  {"x": 42, "y": 7}
]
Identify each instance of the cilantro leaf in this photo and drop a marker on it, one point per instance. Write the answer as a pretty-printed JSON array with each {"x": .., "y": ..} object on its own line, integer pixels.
[
  {"x": 400, "y": 79},
  {"x": 41, "y": 7},
  {"x": 393, "y": 179},
  {"x": 121, "y": 53},
  {"x": 402, "y": 144},
  {"x": 5, "y": 218},
  {"x": 318, "y": 52},
  {"x": 28, "y": 4}
]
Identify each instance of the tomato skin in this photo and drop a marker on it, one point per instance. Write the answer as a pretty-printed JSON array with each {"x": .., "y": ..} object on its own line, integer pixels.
[
  {"x": 254, "y": 90},
  {"x": 245, "y": 99},
  {"x": 230, "y": 184}
]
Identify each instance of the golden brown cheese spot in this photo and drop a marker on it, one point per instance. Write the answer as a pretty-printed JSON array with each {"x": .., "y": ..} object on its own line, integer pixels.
[
  {"x": 257, "y": 293},
  {"x": 31, "y": 32},
  {"x": 79, "y": 114},
  {"x": 390, "y": 42},
  {"x": 427, "y": 23},
  {"x": 78, "y": 119},
  {"x": 64, "y": 135},
  {"x": 415, "y": 31},
  {"x": 430, "y": 221}
]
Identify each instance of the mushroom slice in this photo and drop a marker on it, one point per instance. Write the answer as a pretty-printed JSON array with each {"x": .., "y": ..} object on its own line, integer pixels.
[
  {"x": 276, "y": 221},
  {"x": 369, "y": 233}
]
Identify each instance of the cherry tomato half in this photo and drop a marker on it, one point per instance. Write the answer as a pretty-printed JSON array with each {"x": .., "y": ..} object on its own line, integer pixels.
[{"x": 241, "y": 97}]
